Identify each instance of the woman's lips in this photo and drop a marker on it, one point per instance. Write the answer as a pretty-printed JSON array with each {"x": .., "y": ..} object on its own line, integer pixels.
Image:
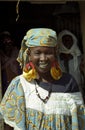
[{"x": 43, "y": 65}]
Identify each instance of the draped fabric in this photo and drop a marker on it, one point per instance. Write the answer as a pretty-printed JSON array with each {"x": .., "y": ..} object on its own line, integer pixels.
[
  {"x": 74, "y": 50},
  {"x": 73, "y": 63},
  {"x": 23, "y": 110}
]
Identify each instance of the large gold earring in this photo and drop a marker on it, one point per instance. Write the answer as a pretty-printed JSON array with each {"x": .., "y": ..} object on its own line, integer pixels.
[
  {"x": 29, "y": 72},
  {"x": 56, "y": 71}
]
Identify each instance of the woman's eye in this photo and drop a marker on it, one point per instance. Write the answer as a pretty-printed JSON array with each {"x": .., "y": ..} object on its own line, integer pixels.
[
  {"x": 36, "y": 53},
  {"x": 49, "y": 53},
  {"x": 45, "y": 53}
]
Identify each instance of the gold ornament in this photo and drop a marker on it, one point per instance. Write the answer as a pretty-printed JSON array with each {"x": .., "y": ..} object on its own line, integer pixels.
[
  {"x": 29, "y": 72},
  {"x": 56, "y": 71}
]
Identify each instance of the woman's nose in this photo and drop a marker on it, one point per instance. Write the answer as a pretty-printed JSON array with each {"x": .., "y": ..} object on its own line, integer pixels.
[{"x": 43, "y": 57}]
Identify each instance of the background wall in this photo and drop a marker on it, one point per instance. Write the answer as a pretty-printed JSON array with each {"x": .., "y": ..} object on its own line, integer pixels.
[{"x": 57, "y": 16}]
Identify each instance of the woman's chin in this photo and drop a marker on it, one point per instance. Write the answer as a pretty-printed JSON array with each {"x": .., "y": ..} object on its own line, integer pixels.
[{"x": 43, "y": 70}]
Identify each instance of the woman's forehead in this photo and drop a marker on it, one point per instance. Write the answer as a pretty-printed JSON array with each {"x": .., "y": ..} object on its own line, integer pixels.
[{"x": 41, "y": 48}]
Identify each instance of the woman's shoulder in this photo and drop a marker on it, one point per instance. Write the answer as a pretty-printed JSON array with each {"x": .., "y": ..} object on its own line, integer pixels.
[
  {"x": 70, "y": 82},
  {"x": 67, "y": 76},
  {"x": 14, "y": 88},
  {"x": 14, "y": 84},
  {"x": 15, "y": 80}
]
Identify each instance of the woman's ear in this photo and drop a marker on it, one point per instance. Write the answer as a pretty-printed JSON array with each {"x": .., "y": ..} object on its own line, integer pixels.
[
  {"x": 28, "y": 51},
  {"x": 29, "y": 54}
]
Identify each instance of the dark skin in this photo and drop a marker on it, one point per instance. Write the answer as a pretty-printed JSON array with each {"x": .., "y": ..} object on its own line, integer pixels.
[
  {"x": 7, "y": 46},
  {"x": 66, "y": 57},
  {"x": 7, "y": 127},
  {"x": 67, "y": 41},
  {"x": 42, "y": 58}
]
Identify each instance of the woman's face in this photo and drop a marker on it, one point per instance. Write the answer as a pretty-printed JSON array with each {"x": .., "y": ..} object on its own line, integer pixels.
[{"x": 42, "y": 58}]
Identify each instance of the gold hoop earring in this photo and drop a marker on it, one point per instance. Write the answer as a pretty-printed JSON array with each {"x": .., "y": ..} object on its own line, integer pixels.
[
  {"x": 55, "y": 71},
  {"x": 29, "y": 72}
]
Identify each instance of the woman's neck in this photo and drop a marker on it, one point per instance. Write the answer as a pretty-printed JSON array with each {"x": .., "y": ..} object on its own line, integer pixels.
[{"x": 46, "y": 78}]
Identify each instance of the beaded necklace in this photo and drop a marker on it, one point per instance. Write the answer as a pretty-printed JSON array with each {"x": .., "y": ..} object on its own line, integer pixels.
[{"x": 46, "y": 98}]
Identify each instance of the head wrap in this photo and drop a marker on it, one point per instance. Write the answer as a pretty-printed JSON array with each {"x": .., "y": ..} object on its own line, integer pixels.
[
  {"x": 74, "y": 50},
  {"x": 36, "y": 37}
]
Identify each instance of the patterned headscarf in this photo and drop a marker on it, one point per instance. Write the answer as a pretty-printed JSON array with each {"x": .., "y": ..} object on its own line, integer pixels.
[{"x": 36, "y": 37}]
